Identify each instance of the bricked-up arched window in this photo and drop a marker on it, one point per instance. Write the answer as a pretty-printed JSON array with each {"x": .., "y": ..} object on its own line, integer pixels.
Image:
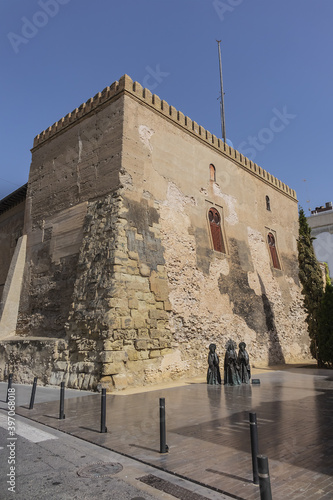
[
  {"x": 212, "y": 172},
  {"x": 268, "y": 203},
  {"x": 215, "y": 227},
  {"x": 272, "y": 249}
]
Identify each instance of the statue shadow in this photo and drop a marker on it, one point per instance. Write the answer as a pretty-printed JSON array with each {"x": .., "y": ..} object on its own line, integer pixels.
[
  {"x": 232, "y": 476},
  {"x": 89, "y": 429},
  {"x": 143, "y": 447}
]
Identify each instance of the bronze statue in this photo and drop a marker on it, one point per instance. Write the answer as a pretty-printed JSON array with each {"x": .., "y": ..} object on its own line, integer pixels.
[
  {"x": 213, "y": 373},
  {"x": 244, "y": 364},
  {"x": 231, "y": 368}
]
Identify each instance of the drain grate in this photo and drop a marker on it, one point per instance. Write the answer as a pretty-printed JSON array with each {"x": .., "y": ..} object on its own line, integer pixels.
[
  {"x": 100, "y": 469},
  {"x": 172, "y": 489}
]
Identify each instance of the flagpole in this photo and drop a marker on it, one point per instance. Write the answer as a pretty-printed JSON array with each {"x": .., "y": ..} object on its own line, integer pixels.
[{"x": 222, "y": 95}]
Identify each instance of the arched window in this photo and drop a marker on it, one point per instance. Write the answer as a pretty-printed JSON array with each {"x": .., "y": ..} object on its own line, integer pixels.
[
  {"x": 272, "y": 249},
  {"x": 268, "y": 203},
  {"x": 212, "y": 172},
  {"x": 215, "y": 228}
]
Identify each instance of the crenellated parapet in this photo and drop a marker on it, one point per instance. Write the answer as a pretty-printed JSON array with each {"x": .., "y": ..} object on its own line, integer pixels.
[{"x": 127, "y": 86}]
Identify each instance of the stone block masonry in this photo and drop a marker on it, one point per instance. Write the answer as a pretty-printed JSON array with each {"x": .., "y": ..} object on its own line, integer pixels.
[
  {"x": 121, "y": 283},
  {"x": 119, "y": 316}
]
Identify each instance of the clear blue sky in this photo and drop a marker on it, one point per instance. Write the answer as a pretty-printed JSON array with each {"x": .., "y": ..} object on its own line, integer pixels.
[{"x": 277, "y": 70}]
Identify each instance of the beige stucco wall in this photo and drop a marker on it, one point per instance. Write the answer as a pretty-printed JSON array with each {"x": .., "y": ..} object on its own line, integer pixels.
[
  {"x": 10, "y": 302},
  {"x": 11, "y": 228}
]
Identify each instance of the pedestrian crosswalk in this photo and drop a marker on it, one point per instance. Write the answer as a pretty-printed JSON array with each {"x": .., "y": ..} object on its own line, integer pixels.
[{"x": 26, "y": 431}]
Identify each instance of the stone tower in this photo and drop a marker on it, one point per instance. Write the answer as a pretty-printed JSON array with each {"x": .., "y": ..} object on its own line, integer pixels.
[{"x": 145, "y": 239}]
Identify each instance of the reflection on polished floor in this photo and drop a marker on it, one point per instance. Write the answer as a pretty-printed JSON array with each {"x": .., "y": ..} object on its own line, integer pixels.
[{"x": 208, "y": 431}]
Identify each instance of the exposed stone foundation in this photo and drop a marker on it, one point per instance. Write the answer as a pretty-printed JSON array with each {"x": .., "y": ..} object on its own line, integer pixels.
[{"x": 29, "y": 358}]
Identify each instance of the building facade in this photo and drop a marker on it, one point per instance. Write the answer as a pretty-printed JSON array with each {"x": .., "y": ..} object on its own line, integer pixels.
[
  {"x": 321, "y": 223},
  {"x": 145, "y": 239}
]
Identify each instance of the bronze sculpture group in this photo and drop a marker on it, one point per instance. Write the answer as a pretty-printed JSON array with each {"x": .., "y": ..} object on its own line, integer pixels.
[{"x": 236, "y": 366}]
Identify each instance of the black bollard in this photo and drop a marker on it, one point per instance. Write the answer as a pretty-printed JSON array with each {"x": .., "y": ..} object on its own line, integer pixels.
[
  {"x": 33, "y": 394},
  {"x": 254, "y": 445},
  {"x": 163, "y": 446},
  {"x": 10, "y": 381},
  {"x": 264, "y": 481},
  {"x": 62, "y": 401},
  {"x": 103, "y": 411}
]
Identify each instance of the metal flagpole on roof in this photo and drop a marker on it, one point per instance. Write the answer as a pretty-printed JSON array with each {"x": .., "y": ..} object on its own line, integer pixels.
[{"x": 222, "y": 95}]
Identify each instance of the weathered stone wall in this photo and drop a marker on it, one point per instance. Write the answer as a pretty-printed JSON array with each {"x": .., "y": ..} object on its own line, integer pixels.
[
  {"x": 11, "y": 228},
  {"x": 120, "y": 262},
  {"x": 118, "y": 327},
  {"x": 30, "y": 357},
  {"x": 214, "y": 296},
  {"x": 81, "y": 163}
]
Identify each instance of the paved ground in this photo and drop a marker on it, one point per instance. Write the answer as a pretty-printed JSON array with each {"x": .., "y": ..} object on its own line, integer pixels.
[
  {"x": 52, "y": 465},
  {"x": 208, "y": 431},
  {"x": 55, "y": 466}
]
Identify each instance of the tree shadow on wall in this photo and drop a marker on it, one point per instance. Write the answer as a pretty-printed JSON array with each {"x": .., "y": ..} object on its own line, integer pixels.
[
  {"x": 274, "y": 350},
  {"x": 255, "y": 310}
]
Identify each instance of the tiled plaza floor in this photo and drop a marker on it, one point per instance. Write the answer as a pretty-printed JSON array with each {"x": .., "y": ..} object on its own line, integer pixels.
[{"x": 208, "y": 431}]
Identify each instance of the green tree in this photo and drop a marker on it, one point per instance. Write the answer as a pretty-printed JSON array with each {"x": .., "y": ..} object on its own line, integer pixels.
[
  {"x": 325, "y": 328},
  {"x": 327, "y": 273},
  {"x": 311, "y": 278}
]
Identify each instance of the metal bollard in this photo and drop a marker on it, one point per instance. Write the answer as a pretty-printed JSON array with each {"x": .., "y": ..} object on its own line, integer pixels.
[
  {"x": 103, "y": 411},
  {"x": 264, "y": 480},
  {"x": 62, "y": 401},
  {"x": 33, "y": 394},
  {"x": 10, "y": 381},
  {"x": 254, "y": 445},
  {"x": 163, "y": 446}
]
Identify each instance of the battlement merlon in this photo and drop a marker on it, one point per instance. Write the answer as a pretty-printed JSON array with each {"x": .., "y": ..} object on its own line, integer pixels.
[{"x": 126, "y": 85}]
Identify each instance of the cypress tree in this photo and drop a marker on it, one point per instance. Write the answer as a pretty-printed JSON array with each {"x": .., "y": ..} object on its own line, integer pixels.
[
  {"x": 311, "y": 278},
  {"x": 327, "y": 273},
  {"x": 325, "y": 328}
]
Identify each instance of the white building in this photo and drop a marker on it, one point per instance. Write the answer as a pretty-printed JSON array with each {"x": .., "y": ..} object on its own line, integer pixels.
[{"x": 321, "y": 223}]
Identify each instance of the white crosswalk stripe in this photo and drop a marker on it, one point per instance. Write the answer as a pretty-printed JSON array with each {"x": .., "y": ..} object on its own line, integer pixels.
[{"x": 26, "y": 431}]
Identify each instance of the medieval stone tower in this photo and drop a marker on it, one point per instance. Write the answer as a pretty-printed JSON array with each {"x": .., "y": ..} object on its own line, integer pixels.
[{"x": 144, "y": 238}]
